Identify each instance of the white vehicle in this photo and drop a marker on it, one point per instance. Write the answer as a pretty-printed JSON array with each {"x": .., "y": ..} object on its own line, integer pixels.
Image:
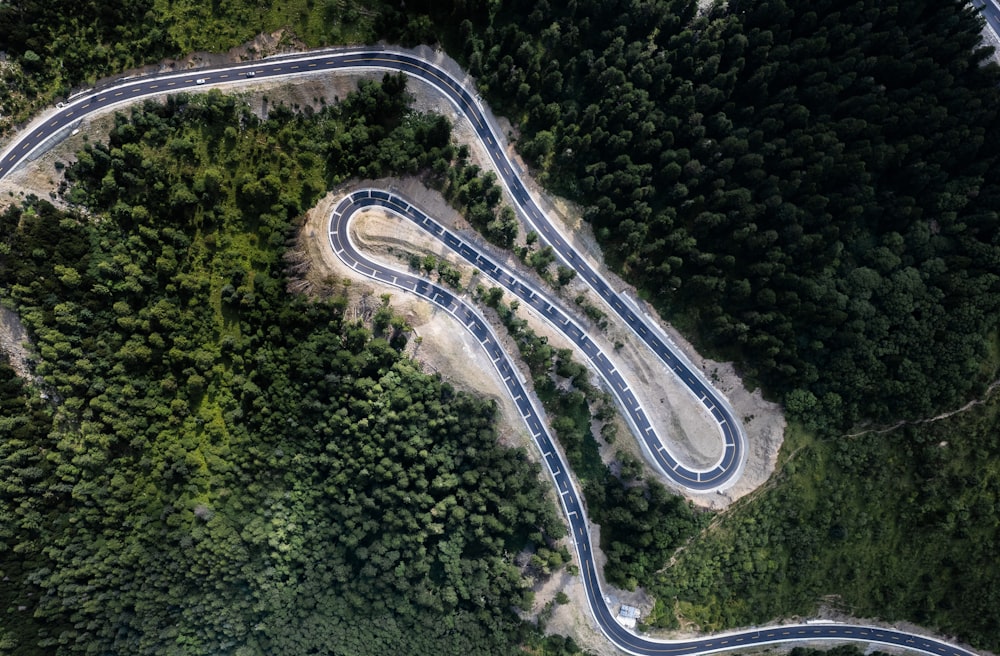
[
  {"x": 200, "y": 80},
  {"x": 250, "y": 73}
]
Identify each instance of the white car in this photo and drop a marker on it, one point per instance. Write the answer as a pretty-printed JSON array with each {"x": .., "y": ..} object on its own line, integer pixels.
[
  {"x": 250, "y": 73},
  {"x": 200, "y": 80}
]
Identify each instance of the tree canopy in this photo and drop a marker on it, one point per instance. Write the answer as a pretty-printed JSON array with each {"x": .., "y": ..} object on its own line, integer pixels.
[
  {"x": 223, "y": 467},
  {"x": 810, "y": 186}
]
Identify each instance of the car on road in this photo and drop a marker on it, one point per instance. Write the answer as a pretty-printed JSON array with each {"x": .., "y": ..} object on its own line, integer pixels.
[
  {"x": 250, "y": 73},
  {"x": 200, "y": 80}
]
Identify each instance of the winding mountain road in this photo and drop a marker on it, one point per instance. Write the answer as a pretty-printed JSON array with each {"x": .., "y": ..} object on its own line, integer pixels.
[
  {"x": 59, "y": 122},
  {"x": 392, "y": 203},
  {"x": 723, "y": 473}
]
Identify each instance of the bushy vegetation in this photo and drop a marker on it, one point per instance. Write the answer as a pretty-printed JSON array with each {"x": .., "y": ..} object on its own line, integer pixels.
[
  {"x": 841, "y": 650},
  {"x": 898, "y": 526},
  {"x": 52, "y": 46},
  {"x": 477, "y": 195},
  {"x": 223, "y": 467},
  {"x": 194, "y": 25},
  {"x": 55, "y": 44}
]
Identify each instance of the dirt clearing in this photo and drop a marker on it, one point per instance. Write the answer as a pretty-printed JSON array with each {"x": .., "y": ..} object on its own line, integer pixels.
[{"x": 439, "y": 342}]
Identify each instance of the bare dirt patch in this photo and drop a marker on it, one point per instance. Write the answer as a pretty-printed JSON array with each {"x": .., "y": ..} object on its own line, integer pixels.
[
  {"x": 444, "y": 346},
  {"x": 992, "y": 39},
  {"x": 393, "y": 241},
  {"x": 39, "y": 176},
  {"x": 573, "y": 619},
  {"x": 15, "y": 344},
  {"x": 763, "y": 421}
]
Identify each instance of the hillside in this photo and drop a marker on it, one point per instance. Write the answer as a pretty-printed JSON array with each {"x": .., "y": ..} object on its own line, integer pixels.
[
  {"x": 807, "y": 189},
  {"x": 218, "y": 466}
]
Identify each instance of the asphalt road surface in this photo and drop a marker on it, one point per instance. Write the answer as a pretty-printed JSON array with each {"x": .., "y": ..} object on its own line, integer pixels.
[
  {"x": 59, "y": 122},
  {"x": 990, "y": 9}
]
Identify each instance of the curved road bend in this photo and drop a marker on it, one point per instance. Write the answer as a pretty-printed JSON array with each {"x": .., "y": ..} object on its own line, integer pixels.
[
  {"x": 58, "y": 123},
  {"x": 637, "y": 418},
  {"x": 720, "y": 475},
  {"x": 624, "y": 639}
]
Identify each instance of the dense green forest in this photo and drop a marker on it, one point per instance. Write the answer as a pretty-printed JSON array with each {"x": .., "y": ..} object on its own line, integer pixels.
[
  {"x": 808, "y": 188},
  {"x": 900, "y": 526},
  {"x": 223, "y": 467}
]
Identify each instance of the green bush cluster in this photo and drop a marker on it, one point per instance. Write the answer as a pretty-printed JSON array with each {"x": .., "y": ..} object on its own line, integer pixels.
[{"x": 899, "y": 526}]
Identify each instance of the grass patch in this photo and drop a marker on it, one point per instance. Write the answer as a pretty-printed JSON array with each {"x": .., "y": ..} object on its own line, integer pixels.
[{"x": 210, "y": 26}]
